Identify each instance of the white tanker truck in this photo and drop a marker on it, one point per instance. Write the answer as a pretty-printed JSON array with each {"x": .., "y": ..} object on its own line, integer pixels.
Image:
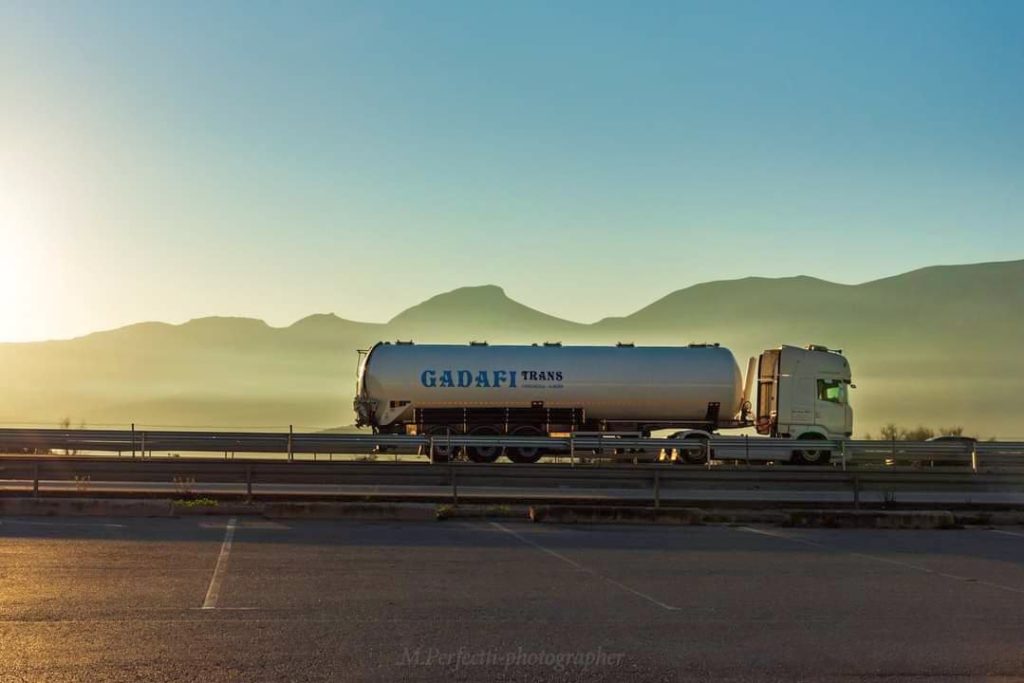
[{"x": 544, "y": 389}]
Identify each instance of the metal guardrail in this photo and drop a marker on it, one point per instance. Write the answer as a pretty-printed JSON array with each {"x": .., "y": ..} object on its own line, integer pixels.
[
  {"x": 653, "y": 483},
  {"x": 749, "y": 449}
]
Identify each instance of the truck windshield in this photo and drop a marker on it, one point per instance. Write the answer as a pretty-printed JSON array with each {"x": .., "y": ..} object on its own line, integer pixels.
[{"x": 831, "y": 390}]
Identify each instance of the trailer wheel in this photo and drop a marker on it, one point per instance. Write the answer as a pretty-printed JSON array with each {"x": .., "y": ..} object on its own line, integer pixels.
[
  {"x": 443, "y": 452},
  {"x": 811, "y": 456},
  {"x": 525, "y": 455},
  {"x": 484, "y": 453},
  {"x": 691, "y": 456}
]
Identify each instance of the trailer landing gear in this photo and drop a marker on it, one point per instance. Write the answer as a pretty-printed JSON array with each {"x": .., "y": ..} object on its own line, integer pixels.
[{"x": 441, "y": 451}]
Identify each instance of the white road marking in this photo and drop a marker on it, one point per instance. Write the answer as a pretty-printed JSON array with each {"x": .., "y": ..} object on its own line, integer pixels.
[
  {"x": 886, "y": 560},
  {"x": 213, "y": 592},
  {"x": 1007, "y": 533},
  {"x": 582, "y": 568},
  {"x": 262, "y": 525}
]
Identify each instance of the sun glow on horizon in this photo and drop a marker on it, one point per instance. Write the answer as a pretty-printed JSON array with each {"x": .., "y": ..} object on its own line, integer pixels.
[{"x": 28, "y": 264}]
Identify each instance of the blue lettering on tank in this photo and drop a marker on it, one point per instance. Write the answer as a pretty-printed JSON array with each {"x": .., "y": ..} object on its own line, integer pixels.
[{"x": 485, "y": 379}]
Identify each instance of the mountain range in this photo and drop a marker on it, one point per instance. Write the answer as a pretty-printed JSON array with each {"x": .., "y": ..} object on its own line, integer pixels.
[{"x": 940, "y": 346}]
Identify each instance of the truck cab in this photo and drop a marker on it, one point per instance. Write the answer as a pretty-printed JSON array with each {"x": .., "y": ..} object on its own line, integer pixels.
[{"x": 803, "y": 393}]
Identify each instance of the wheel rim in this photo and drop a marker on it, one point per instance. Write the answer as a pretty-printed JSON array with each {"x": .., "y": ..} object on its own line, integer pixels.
[
  {"x": 700, "y": 458},
  {"x": 484, "y": 453},
  {"x": 813, "y": 455}
]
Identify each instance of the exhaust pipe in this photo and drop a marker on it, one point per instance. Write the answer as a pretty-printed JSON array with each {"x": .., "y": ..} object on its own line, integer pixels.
[{"x": 748, "y": 387}]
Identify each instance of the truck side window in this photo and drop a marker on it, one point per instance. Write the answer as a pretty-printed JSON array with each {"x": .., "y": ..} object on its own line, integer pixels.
[{"x": 830, "y": 390}]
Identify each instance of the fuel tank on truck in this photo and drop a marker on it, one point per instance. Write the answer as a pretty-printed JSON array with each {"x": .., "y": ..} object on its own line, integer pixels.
[{"x": 608, "y": 382}]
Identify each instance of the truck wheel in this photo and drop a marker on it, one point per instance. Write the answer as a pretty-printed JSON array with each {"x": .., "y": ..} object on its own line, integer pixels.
[
  {"x": 692, "y": 456},
  {"x": 484, "y": 453},
  {"x": 525, "y": 455},
  {"x": 443, "y": 452},
  {"x": 811, "y": 456}
]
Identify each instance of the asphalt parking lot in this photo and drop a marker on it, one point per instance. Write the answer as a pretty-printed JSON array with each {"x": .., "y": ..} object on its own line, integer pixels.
[{"x": 215, "y": 599}]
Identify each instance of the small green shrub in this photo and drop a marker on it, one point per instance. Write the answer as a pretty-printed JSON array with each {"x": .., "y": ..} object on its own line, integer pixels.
[{"x": 196, "y": 502}]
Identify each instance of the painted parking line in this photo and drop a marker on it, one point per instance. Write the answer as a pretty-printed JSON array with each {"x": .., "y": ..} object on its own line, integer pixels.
[
  {"x": 213, "y": 592},
  {"x": 877, "y": 558},
  {"x": 1006, "y": 533},
  {"x": 582, "y": 568}
]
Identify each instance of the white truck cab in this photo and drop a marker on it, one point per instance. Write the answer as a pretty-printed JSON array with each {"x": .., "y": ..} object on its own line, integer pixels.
[{"x": 803, "y": 393}]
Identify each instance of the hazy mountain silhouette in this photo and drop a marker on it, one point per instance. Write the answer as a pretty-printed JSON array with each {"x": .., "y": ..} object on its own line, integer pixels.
[
  {"x": 936, "y": 346},
  {"x": 468, "y": 311}
]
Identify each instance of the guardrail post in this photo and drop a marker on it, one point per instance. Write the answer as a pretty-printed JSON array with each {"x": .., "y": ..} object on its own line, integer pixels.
[
  {"x": 143, "y": 444},
  {"x": 455, "y": 484},
  {"x": 657, "y": 489},
  {"x": 248, "y": 481},
  {"x": 572, "y": 450},
  {"x": 35, "y": 480},
  {"x": 291, "y": 434},
  {"x": 133, "y": 439},
  {"x": 842, "y": 453},
  {"x": 974, "y": 456},
  {"x": 746, "y": 448},
  {"x": 856, "y": 492}
]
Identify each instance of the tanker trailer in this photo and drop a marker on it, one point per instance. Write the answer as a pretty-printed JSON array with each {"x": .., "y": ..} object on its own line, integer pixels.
[{"x": 541, "y": 389}]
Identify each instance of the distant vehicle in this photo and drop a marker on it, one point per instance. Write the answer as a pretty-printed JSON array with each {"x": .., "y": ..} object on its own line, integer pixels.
[
  {"x": 546, "y": 389},
  {"x": 954, "y": 438},
  {"x": 967, "y": 445}
]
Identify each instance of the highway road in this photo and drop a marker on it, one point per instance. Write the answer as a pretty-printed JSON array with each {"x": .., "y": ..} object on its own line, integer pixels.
[{"x": 250, "y": 599}]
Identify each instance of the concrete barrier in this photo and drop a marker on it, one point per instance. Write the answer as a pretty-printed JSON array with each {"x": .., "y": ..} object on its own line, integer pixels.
[
  {"x": 739, "y": 516},
  {"x": 376, "y": 511},
  {"x": 567, "y": 514},
  {"x": 218, "y": 507},
  {"x": 872, "y": 519},
  {"x": 600, "y": 514},
  {"x": 84, "y": 507},
  {"x": 989, "y": 518},
  {"x": 483, "y": 512}
]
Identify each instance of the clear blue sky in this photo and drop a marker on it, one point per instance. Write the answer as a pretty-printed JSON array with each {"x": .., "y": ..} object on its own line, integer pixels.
[{"x": 177, "y": 159}]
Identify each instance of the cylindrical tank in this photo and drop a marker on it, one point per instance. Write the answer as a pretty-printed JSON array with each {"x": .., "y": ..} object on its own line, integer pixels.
[{"x": 608, "y": 382}]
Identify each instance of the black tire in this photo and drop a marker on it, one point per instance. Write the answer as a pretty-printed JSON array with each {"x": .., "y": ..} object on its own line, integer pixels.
[
  {"x": 694, "y": 457},
  {"x": 811, "y": 456},
  {"x": 689, "y": 455},
  {"x": 441, "y": 452},
  {"x": 525, "y": 455},
  {"x": 484, "y": 454}
]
